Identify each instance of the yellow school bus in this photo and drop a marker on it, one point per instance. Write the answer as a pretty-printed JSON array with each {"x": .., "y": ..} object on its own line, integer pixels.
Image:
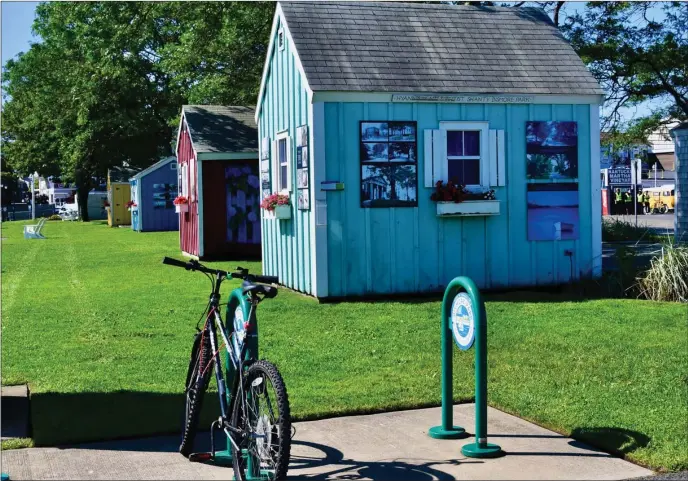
[{"x": 662, "y": 199}]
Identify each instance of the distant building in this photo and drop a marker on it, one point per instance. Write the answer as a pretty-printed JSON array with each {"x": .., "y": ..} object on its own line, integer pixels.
[{"x": 58, "y": 193}]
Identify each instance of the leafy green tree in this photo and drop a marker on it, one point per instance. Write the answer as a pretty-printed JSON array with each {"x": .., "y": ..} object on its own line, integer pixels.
[
  {"x": 636, "y": 59},
  {"x": 90, "y": 96},
  {"x": 220, "y": 52}
]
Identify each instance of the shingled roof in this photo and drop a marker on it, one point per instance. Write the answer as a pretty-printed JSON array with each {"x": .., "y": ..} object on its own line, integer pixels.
[
  {"x": 218, "y": 128},
  {"x": 437, "y": 48}
]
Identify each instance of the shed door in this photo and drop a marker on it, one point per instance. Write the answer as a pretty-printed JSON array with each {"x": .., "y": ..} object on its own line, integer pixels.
[{"x": 243, "y": 203}]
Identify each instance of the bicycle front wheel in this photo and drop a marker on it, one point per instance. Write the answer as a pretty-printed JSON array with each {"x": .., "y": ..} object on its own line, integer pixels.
[
  {"x": 197, "y": 379},
  {"x": 262, "y": 414}
]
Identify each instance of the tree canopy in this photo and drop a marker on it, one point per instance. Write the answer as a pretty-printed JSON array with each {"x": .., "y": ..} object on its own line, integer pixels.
[{"x": 105, "y": 85}]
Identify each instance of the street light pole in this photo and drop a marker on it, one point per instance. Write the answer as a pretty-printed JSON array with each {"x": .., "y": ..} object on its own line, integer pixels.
[{"x": 33, "y": 198}]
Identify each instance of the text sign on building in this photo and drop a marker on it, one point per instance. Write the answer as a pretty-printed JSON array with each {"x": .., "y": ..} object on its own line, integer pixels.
[
  {"x": 464, "y": 99},
  {"x": 620, "y": 176}
]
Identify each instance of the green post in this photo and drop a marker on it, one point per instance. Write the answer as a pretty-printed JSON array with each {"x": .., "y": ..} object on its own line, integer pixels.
[
  {"x": 481, "y": 448},
  {"x": 447, "y": 430}
]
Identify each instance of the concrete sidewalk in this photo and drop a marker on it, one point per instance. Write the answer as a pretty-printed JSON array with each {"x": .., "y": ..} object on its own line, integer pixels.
[{"x": 390, "y": 446}]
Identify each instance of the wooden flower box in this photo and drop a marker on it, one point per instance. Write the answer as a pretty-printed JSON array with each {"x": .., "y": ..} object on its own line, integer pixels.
[
  {"x": 281, "y": 212},
  {"x": 178, "y": 208},
  {"x": 468, "y": 208}
]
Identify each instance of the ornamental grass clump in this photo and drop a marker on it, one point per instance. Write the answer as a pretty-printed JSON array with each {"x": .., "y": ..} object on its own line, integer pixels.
[{"x": 667, "y": 277}]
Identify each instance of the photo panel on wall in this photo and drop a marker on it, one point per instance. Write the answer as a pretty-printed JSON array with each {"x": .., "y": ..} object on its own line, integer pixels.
[
  {"x": 302, "y": 136},
  {"x": 553, "y": 212},
  {"x": 551, "y": 151},
  {"x": 303, "y": 199},
  {"x": 302, "y": 178},
  {"x": 389, "y": 185}
]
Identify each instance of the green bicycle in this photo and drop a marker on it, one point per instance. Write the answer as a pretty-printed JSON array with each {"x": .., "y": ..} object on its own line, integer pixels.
[{"x": 254, "y": 411}]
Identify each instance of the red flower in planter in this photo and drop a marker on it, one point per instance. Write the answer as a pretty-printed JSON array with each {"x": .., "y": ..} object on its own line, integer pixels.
[
  {"x": 451, "y": 192},
  {"x": 106, "y": 203},
  {"x": 271, "y": 201},
  {"x": 180, "y": 199},
  {"x": 131, "y": 204}
]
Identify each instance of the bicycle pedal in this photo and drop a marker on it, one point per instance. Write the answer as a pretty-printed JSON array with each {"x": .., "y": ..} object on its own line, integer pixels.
[{"x": 200, "y": 457}]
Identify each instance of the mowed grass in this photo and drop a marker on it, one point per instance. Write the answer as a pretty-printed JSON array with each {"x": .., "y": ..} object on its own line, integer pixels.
[{"x": 101, "y": 331}]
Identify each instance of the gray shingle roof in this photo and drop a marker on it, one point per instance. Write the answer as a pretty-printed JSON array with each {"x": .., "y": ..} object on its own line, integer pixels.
[
  {"x": 437, "y": 48},
  {"x": 218, "y": 128}
]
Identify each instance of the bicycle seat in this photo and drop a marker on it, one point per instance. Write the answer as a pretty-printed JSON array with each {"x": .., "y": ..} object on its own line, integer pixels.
[{"x": 267, "y": 291}]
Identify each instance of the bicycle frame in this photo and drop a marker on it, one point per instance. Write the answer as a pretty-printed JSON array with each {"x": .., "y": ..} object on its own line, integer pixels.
[{"x": 240, "y": 307}]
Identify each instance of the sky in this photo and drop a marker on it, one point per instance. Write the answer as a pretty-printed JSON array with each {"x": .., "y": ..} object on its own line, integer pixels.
[{"x": 17, "y": 18}]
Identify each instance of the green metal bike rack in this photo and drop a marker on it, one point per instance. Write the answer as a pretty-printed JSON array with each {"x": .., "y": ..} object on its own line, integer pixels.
[{"x": 465, "y": 319}]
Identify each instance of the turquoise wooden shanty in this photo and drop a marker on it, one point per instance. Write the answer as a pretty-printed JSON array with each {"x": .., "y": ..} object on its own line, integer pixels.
[
  {"x": 364, "y": 107},
  {"x": 153, "y": 191}
]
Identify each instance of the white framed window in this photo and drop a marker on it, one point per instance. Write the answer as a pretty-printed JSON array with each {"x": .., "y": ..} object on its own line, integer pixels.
[
  {"x": 282, "y": 163},
  {"x": 280, "y": 38},
  {"x": 184, "y": 180},
  {"x": 467, "y": 153}
]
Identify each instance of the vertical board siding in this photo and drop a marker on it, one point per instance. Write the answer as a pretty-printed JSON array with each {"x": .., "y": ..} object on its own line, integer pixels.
[
  {"x": 188, "y": 222},
  {"x": 286, "y": 244},
  {"x": 405, "y": 250},
  {"x": 150, "y": 218}
]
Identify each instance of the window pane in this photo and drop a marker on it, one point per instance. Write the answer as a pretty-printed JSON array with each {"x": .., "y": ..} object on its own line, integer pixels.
[
  {"x": 464, "y": 172},
  {"x": 283, "y": 177},
  {"x": 471, "y": 142},
  {"x": 283, "y": 151},
  {"x": 454, "y": 143}
]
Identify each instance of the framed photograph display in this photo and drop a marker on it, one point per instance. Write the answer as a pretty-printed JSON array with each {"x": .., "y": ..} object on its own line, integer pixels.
[
  {"x": 303, "y": 200},
  {"x": 551, "y": 151},
  {"x": 389, "y": 163},
  {"x": 302, "y": 170}
]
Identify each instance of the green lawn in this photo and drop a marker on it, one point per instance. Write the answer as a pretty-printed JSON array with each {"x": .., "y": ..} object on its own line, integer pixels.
[{"x": 101, "y": 330}]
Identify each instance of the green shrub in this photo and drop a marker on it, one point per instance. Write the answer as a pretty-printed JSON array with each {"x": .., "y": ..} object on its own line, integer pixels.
[
  {"x": 54, "y": 217},
  {"x": 616, "y": 230},
  {"x": 667, "y": 277}
]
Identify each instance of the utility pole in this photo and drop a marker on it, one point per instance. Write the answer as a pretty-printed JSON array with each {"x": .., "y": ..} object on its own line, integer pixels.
[{"x": 33, "y": 197}]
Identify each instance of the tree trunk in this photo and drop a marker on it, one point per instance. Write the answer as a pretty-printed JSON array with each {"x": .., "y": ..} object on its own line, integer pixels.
[
  {"x": 82, "y": 194},
  {"x": 84, "y": 183}
]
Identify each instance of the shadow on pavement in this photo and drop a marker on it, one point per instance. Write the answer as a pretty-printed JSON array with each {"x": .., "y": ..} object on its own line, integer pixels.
[
  {"x": 330, "y": 462},
  {"x": 619, "y": 441}
]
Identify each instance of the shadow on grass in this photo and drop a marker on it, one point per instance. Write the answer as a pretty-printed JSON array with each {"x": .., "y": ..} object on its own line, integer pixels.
[
  {"x": 59, "y": 418},
  {"x": 618, "y": 441}
]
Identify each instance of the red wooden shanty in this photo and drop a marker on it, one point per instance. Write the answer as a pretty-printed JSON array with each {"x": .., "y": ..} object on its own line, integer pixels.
[{"x": 217, "y": 154}]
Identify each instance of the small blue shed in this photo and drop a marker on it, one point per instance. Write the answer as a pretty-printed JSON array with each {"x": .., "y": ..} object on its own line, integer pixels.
[
  {"x": 366, "y": 112},
  {"x": 153, "y": 191}
]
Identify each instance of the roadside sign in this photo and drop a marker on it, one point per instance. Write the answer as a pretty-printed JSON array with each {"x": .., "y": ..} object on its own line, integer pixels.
[
  {"x": 620, "y": 176},
  {"x": 463, "y": 321}
]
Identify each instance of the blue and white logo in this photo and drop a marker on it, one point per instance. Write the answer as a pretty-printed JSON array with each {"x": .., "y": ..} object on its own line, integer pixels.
[
  {"x": 463, "y": 321},
  {"x": 239, "y": 331}
]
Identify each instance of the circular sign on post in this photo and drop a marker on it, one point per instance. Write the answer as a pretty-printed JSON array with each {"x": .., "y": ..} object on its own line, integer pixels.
[{"x": 463, "y": 321}]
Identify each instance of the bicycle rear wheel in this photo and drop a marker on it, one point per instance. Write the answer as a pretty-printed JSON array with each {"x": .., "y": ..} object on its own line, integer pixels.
[
  {"x": 197, "y": 378},
  {"x": 263, "y": 416}
]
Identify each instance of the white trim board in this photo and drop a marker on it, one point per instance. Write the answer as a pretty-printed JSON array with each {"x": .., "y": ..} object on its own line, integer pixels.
[
  {"x": 199, "y": 188},
  {"x": 227, "y": 156},
  {"x": 318, "y": 218},
  {"x": 386, "y": 97},
  {"x": 279, "y": 15},
  {"x": 596, "y": 193}
]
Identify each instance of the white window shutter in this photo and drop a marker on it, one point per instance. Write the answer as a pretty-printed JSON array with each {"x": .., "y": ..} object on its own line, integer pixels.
[
  {"x": 492, "y": 153},
  {"x": 439, "y": 155},
  {"x": 274, "y": 167},
  {"x": 290, "y": 158},
  {"x": 497, "y": 164},
  {"x": 428, "y": 158},
  {"x": 501, "y": 159}
]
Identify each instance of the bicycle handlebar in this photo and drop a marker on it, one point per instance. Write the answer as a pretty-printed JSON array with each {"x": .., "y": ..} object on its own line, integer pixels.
[{"x": 242, "y": 273}]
